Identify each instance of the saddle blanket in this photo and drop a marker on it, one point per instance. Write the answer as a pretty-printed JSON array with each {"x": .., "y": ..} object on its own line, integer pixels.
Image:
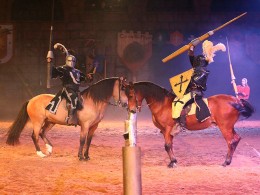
[{"x": 177, "y": 108}]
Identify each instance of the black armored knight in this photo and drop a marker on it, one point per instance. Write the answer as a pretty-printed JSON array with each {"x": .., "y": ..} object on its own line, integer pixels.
[
  {"x": 198, "y": 82},
  {"x": 71, "y": 79}
]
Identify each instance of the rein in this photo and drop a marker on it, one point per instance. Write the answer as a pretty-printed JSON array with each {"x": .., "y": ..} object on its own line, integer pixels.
[
  {"x": 147, "y": 105},
  {"x": 119, "y": 102},
  {"x": 141, "y": 106}
]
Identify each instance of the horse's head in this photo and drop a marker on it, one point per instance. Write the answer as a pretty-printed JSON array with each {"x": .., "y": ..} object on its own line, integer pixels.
[
  {"x": 148, "y": 91},
  {"x": 134, "y": 97},
  {"x": 119, "y": 94}
]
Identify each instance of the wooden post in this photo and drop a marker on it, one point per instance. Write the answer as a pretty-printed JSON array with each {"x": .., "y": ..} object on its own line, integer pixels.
[{"x": 131, "y": 158}]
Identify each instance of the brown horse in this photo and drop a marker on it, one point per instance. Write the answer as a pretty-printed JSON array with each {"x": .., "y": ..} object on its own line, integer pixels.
[
  {"x": 225, "y": 111},
  {"x": 95, "y": 101}
]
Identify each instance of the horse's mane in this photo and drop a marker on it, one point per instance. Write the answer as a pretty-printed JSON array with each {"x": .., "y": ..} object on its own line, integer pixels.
[
  {"x": 101, "y": 90},
  {"x": 150, "y": 89}
]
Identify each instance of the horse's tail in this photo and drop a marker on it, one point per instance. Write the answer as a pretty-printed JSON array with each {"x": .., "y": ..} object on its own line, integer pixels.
[
  {"x": 16, "y": 128},
  {"x": 244, "y": 108}
]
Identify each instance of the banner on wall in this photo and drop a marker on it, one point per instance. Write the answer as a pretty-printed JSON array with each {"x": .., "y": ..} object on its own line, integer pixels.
[
  {"x": 6, "y": 43},
  {"x": 176, "y": 38},
  {"x": 134, "y": 49}
]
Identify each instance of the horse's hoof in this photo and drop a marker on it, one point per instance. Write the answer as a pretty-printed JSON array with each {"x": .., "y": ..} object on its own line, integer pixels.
[
  {"x": 226, "y": 164},
  {"x": 87, "y": 158},
  {"x": 48, "y": 149},
  {"x": 172, "y": 164},
  {"x": 48, "y": 153},
  {"x": 81, "y": 159},
  {"x": 40, "y": 154}
]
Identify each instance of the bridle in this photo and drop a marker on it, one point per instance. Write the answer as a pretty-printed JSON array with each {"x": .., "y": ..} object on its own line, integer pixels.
[
  {"x": 137, "y": 108},
  {"x": 121, "y": 86}
]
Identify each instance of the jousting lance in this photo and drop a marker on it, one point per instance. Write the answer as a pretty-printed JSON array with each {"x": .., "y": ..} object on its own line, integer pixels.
[
  {"x": 50, "y": 55},
  {"x": 233, "y": 78},
  {"x": 198, "y": 40}
]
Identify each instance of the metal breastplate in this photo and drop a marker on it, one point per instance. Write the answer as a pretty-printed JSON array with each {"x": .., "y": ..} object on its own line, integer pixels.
[{"x": 199, "y": 78}]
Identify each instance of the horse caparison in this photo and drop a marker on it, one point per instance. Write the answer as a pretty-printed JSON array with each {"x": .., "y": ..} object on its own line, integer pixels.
[
  {"x": 225, "y": 112},
  {"x": 95, "y": 101}
]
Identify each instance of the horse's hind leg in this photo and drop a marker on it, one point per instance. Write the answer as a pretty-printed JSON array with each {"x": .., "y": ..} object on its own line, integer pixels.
[
  {"x": 232, "y": 142},
  {"x": 47, "y": 126},
  {"x": 35, "y": 138}
]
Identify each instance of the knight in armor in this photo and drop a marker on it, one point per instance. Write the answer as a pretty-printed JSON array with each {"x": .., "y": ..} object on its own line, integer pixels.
[
  {"x": 71, "y": 79},
  {"x": 197, "y": 85},
  {"x": 198, "y": 82},
  {"x": 199, "y": 63}
]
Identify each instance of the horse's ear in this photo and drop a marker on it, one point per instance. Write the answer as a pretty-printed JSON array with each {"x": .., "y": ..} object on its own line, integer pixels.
[
  {"x": 123, "y": 80},
  {"x": 131, "y": 85}
]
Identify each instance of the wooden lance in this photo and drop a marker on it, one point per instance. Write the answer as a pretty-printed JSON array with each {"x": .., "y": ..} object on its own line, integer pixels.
[
  {"x": 50, "y": 55},
  {"x": 233, "y": 78},
  {"x": 198, "y": 40}
]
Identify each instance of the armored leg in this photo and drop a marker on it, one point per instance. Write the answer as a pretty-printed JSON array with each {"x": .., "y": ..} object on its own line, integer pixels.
[{"x": 72, "y": 117}]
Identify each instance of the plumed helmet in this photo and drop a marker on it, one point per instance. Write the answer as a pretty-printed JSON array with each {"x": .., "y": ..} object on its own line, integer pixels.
[
  {"x": 70, "y": 59},
  {"x": 209, "y": 50}
]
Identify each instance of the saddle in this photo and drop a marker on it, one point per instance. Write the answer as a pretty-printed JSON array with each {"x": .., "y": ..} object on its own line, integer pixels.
[
  {"x": 189, "y": 106},
  {"x": 71, "y": 119}
]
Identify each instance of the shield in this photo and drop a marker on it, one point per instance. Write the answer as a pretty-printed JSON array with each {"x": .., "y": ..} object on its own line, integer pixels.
[
  {"x": 6, "y": 43},
  {"x": 180, "y": 82}
]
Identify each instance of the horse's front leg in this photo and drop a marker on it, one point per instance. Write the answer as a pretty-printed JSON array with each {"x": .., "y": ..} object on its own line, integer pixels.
[
  {"x": 83, "y": 134},
  {"x": 89, "y": 139},
  {"x": 169, "y": 147}
]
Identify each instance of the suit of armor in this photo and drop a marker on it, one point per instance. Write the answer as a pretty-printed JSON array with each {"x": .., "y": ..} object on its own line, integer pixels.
[
  {"x": 71, "y": 79},
  {"x": 198, "y": 82}
]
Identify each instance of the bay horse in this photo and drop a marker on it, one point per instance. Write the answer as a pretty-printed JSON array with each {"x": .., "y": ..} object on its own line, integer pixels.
[
  {"x": 95, "y": 101},
  {"x": 225, "y": 111}
]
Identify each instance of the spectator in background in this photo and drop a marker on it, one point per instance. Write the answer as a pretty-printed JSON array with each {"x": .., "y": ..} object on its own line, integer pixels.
[{"x": 243, "y": 90}]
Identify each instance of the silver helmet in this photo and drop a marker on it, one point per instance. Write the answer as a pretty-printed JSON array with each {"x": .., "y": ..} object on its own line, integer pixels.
[{"x": 71, "y": 61}]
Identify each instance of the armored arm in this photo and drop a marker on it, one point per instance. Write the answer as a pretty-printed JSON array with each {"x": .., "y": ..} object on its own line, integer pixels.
[
  {"x": 57, "y": 72},
  {"x": 191, "y": 55}
]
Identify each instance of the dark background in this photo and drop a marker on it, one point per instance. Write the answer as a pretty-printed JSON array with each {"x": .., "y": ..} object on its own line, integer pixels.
[{"x": 87, "y": 25}]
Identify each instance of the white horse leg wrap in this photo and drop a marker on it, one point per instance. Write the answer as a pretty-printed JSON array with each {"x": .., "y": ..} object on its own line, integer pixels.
[
  {"x": 49, "y": 148},
  {"x": 40, "y": 154}
]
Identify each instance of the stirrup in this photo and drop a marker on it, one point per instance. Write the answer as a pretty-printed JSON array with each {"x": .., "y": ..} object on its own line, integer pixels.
[{"x": 67, "y": 120}]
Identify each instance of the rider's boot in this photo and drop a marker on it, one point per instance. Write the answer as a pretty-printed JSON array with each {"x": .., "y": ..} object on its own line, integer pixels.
[{"x": 72, "y": 117}]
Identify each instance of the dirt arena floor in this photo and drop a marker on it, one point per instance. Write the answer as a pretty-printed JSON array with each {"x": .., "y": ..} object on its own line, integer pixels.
[{"x": 199, "y": 154}]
